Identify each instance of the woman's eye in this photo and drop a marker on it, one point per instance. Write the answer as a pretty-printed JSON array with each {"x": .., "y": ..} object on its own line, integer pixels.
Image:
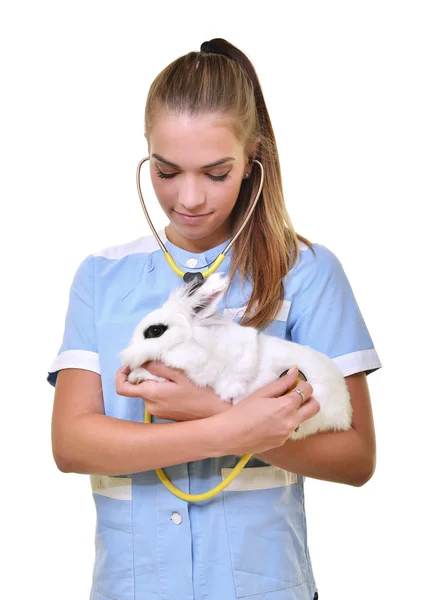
[
  {"x": 220, "y": 177},
  {"x": 213, "y": 177},
  {"x": 165, "y": 175}
]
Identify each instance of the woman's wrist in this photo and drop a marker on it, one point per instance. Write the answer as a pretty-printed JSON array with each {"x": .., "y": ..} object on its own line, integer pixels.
[
  {"x": 213, "y": 404},
  {"x": 209, "y": 405},
  {"x": 221, "y": 406}
]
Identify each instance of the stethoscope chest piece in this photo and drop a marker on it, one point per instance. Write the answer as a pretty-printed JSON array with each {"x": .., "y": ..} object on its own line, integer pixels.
[
  {"x": 197, "y": 278},
  {"x": 191, "y": 276}
]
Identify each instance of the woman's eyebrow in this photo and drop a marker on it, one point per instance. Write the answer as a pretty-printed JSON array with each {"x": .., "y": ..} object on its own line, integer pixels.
[{"x": 218, "y": 162}]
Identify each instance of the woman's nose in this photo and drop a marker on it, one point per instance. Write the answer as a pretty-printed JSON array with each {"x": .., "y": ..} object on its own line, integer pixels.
[{"x": 192, "y": 197}]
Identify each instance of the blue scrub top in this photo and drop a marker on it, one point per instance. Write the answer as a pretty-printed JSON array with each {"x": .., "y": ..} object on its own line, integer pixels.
[{"x": 251, "y": 539}]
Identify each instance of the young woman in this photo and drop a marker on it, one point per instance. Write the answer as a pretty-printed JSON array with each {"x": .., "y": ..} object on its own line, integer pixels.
[{"x": 207, "y": 129}]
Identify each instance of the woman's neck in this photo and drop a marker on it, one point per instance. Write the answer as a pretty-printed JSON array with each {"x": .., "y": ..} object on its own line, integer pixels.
[{"x": 196, "y": 245}]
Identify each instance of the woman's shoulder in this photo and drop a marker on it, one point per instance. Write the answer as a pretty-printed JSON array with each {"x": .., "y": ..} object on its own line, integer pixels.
[
  {"x": 119, "y": 263},
  {"x": 315, "y": 259},
  {"x": 316, "y": 268},
  {"x": 142, "y": 245}
]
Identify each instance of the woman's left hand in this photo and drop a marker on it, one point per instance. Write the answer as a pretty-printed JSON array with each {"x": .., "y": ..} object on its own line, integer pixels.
[{"x": 178, "y": 399}]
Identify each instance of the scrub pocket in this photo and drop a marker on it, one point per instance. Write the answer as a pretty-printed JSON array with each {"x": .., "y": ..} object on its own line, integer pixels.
[
  {"x": 113, "y": 573},
  {"x": 264, "y": 515}
]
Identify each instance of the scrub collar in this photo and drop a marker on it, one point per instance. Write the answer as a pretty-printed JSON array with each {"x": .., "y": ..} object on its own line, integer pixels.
[{"x": 193, "y": 260}]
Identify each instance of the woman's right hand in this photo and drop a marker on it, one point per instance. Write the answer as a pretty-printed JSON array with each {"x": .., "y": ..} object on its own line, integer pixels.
[{"x": 266, "y": 418}]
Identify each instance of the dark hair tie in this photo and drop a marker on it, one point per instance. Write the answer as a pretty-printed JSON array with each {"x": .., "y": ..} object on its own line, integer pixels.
[{"x": 207, "y": 47}]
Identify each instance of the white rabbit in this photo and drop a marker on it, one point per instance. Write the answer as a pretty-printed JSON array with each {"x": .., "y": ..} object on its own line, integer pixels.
[{"x": 188, "y": 334}]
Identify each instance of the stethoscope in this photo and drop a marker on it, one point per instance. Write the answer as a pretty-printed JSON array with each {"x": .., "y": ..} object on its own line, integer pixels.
[
  {"x": 187, "y": 276},
  {"x": 199, "y": 277}
]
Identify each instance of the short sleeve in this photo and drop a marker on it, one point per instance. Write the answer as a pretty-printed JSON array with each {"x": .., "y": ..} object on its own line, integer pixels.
[
  {"x": 79, "y": 347},
  {"x": 326, "y": 315}
]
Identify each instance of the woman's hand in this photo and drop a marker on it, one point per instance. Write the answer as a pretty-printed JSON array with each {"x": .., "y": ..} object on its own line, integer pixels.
[
  {"x": 266, "y": 418},
  {"x": 176, "y": 400}
]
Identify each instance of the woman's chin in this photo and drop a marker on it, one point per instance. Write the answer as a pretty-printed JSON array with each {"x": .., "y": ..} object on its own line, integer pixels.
[{"x": 208, "y": 231}]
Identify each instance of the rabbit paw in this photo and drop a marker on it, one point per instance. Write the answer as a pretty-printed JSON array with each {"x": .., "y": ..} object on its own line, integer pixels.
[
  {"x": 139, "y": 374},
  {"x": 232, "y": 390}
]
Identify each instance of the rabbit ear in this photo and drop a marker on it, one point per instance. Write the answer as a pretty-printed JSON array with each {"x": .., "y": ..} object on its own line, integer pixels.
[{"x": 204, "y": 296}]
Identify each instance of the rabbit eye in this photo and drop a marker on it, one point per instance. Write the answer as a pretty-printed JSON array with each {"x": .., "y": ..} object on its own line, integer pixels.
[{"x": 155, "y": 331}]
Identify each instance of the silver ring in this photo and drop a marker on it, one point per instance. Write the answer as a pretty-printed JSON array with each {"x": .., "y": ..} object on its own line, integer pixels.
[{"x": 302, "y": 394}]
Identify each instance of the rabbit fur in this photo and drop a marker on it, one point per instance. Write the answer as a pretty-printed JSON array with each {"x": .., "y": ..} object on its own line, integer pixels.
[{"x": 187, "y": 333}]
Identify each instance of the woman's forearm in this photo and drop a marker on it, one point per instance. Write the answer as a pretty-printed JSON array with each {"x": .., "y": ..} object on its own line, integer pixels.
[
  {"x": 99, "y": 444},
  {"x": 339, "y": 456}
]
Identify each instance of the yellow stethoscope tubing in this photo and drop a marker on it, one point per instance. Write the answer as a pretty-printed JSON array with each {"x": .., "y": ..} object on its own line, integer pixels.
[
  {"x": 205, "y": 495},
  {"x": 216, "y": 263},
  {"x": 219, "y": 259}
]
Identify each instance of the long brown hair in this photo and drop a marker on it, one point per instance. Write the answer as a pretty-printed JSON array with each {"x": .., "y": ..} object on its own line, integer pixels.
[{"x": 221, "y": 79}]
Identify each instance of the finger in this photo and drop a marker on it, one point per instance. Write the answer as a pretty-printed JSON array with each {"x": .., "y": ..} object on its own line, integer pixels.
[
  {"x": 122, "y": 374},
  {"x": 281, "y": 385},
  {"x": 125, "y": 388},
  {"x": 124, "y": 369},
  {"x": 306, "y": 390},
  {"x": 161, "y": 370},
  {"x": 307, "y": 410}
]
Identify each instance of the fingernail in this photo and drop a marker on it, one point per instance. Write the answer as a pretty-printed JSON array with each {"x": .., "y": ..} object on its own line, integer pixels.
[{"x": 292, "y": 370}]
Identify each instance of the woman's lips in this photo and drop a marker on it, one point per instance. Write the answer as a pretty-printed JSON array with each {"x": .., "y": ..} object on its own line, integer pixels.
[{"x": 192, "y": 219}]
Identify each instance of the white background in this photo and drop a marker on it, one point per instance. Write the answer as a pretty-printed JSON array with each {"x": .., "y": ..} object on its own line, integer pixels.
[{"x": 349, "y": 89}]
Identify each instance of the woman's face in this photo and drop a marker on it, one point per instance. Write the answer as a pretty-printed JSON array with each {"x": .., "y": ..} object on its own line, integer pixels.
[{"x": 189, "y": 186}]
